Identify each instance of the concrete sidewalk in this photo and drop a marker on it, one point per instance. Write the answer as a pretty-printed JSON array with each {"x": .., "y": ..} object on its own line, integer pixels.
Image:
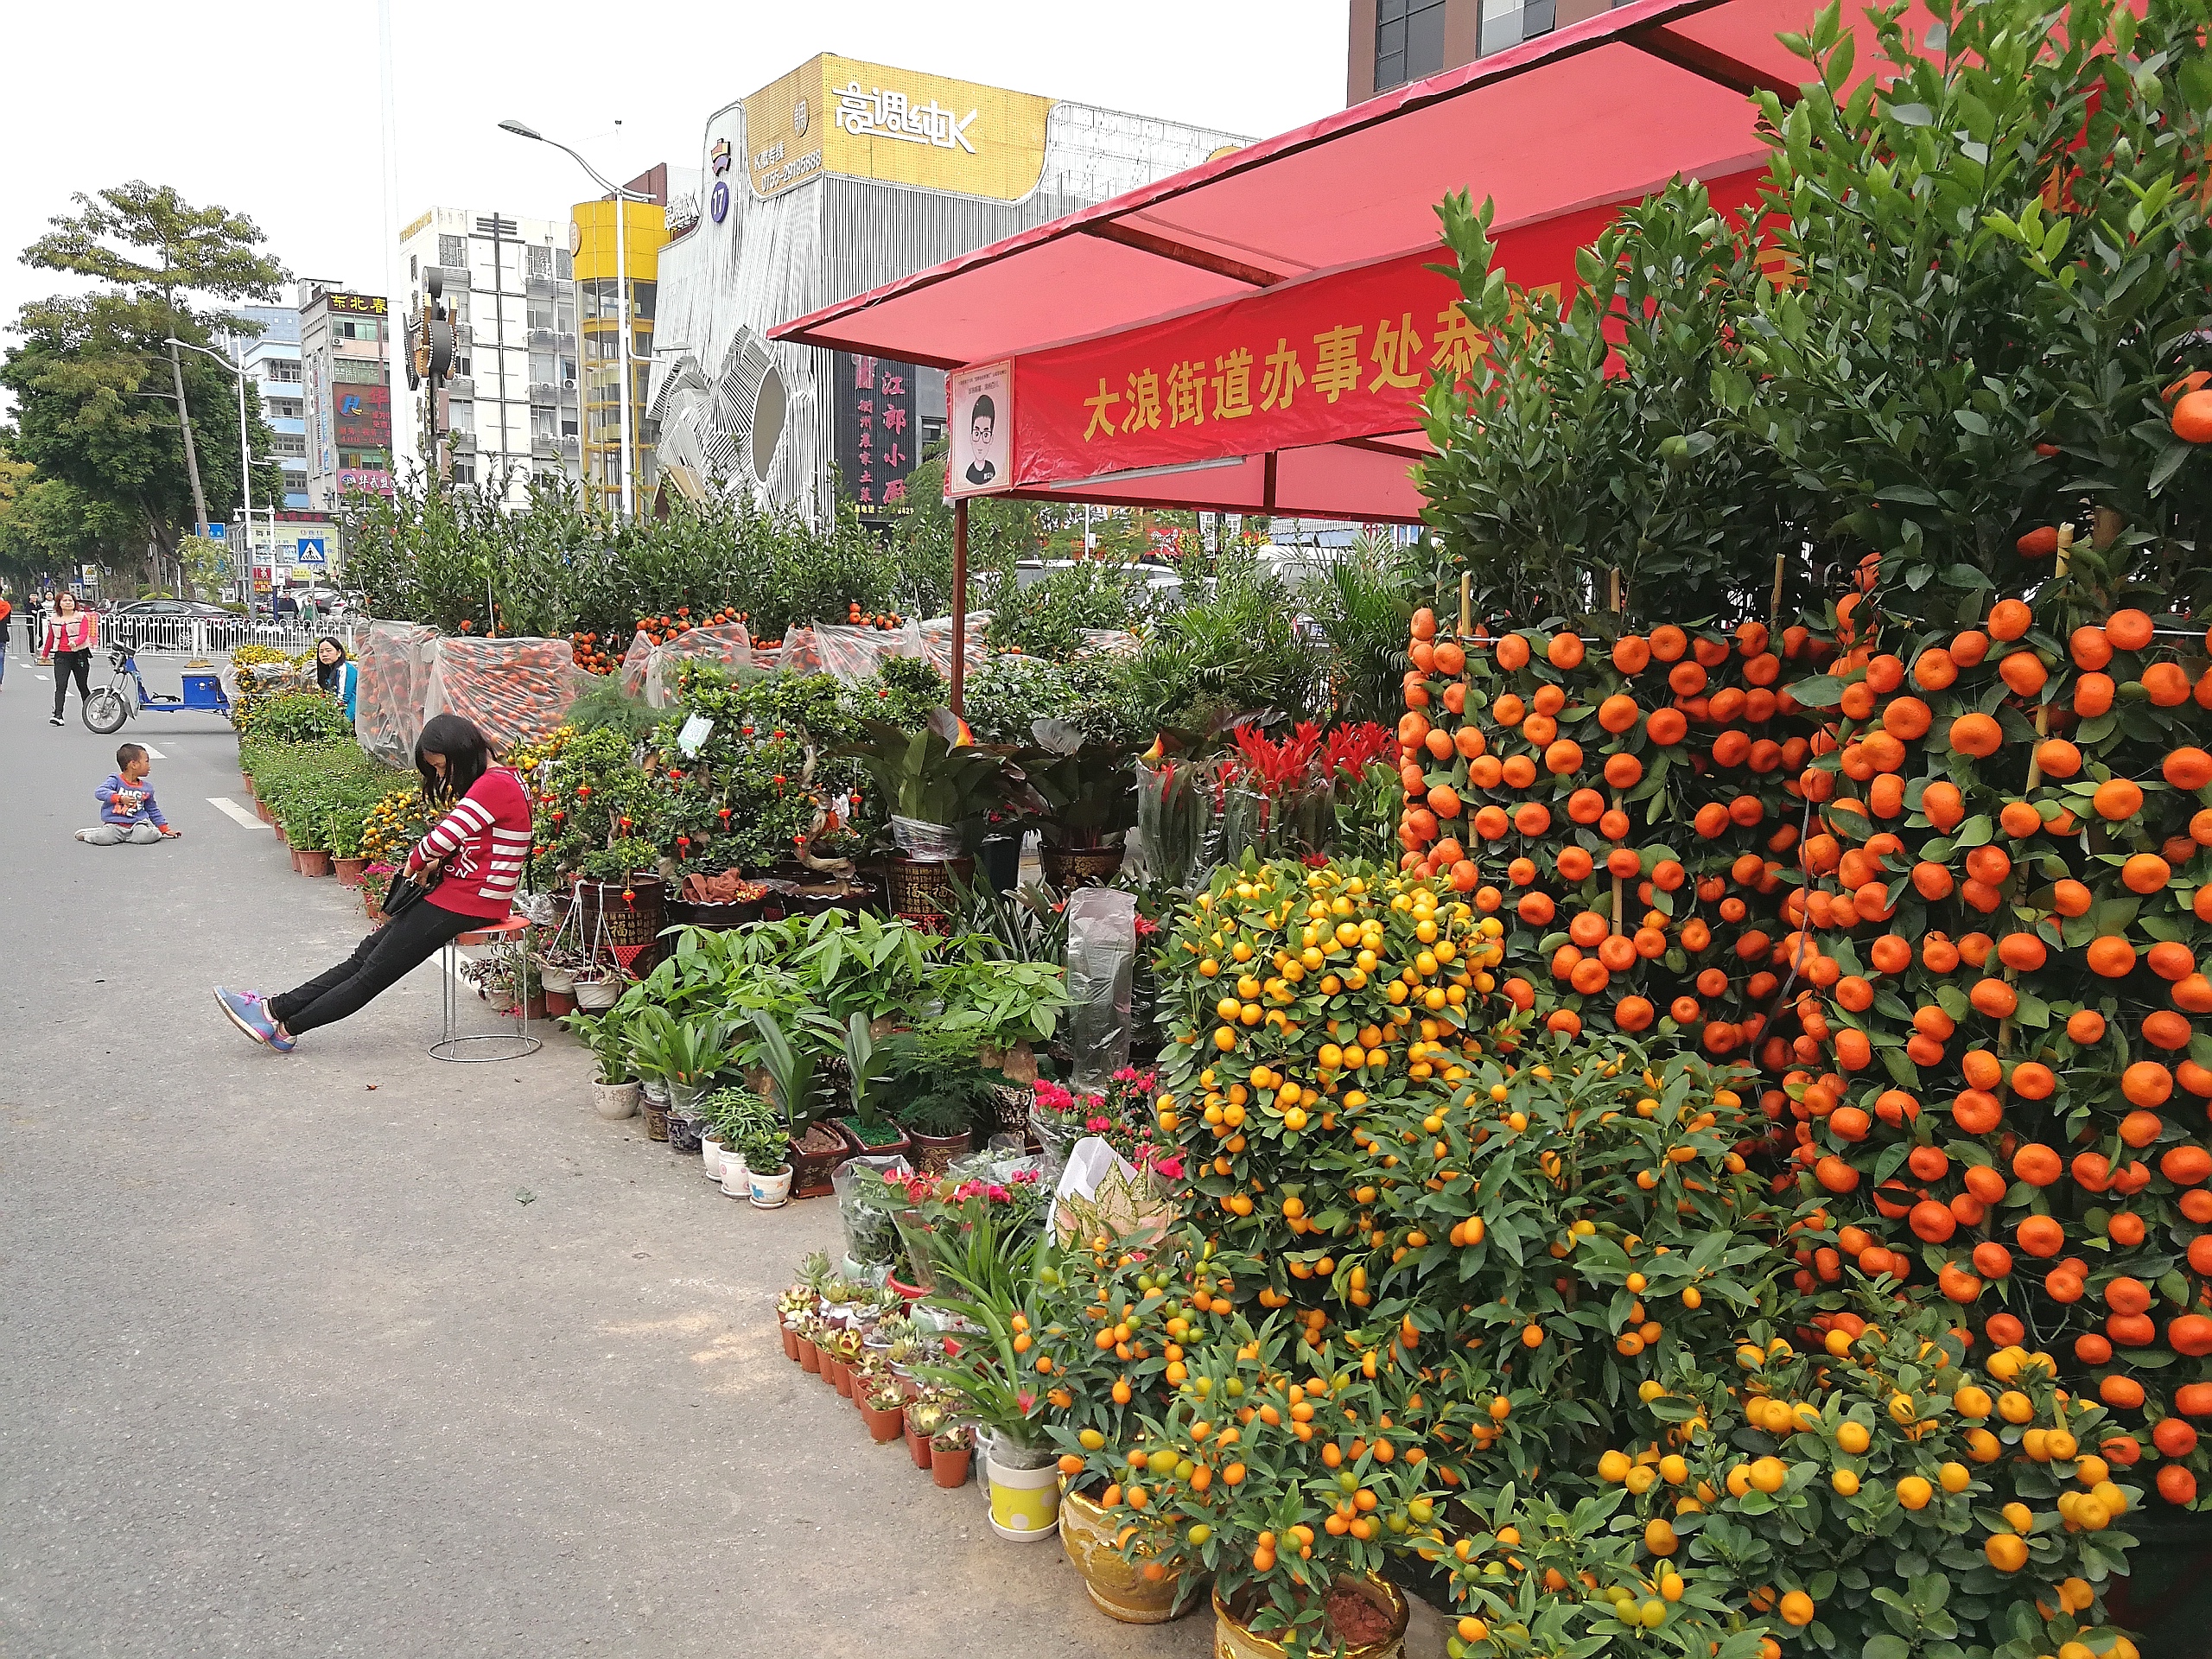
[{"x": 353, "y": 1352}]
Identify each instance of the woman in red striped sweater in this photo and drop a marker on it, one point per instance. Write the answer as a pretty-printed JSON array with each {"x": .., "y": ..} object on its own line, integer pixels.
[{"x": 471, "y": 863}]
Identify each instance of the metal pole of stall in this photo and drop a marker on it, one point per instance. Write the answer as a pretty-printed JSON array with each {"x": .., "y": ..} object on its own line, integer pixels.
[{"x": 959, "y": 603}]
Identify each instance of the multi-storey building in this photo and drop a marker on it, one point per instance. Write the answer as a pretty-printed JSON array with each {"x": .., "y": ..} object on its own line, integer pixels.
[
  {"x": 346, "y": 378},
  {"x": 839, "y": 177},
  {"x": 512, "y": 397},
  {"x": 271, "y": 359},
  {"x": 1393, "y": 42},
  {"x": 598, "y": 304}
]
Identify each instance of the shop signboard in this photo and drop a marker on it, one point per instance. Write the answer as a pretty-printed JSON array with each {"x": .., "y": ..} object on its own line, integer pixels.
[
  {"x": 1345, "y": 355},
  {"x": 877, "y": 433},
  {"x": 868, "y": 121},
  {"x": 362, "y": 416}
]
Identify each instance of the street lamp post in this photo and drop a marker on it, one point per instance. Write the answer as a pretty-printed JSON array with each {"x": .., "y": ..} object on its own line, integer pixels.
[
  {"x": 623, "y": 197},
  {"x": 245, "y": 459}
]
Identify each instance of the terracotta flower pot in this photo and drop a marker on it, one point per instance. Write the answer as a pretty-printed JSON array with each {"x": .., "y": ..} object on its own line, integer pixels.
[
  {"x": 262, "y": 812},
  {"x": 918, "y": 1445},
  {"x": 350, "y": 870},
  {"x": 808, "y": 1357},
  {"x": 950, "y": 1468},
  {"x": 842, "y": 1380},
  {"x": 791, "y": 1341},
  {"x": 884, "y": 1427},
  {"x": 311, "y": 862}
]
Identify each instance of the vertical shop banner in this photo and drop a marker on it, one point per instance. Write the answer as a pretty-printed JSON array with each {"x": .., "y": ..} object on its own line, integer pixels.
[
  {"x": 979, "y": 421},
  {"x": 877, "y": 432}
]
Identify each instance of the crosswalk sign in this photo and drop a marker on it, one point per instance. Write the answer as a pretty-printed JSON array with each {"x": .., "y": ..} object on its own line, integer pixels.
[{"x": 310, "y": 551}]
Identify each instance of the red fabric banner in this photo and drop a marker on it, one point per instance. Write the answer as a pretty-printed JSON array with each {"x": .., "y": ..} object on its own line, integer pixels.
[{"x": 1318, "y": 361}]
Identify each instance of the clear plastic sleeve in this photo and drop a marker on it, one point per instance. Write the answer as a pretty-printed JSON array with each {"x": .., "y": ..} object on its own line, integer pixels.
[
  {"x": 513, "y": 691},
  {"x": 868, "y": 1209},
  {"x": 937, "y": 639},
  {"x": 1102, "y": 957},
  {"x": 925, "y": 842},
  {"x": 850, "y": 654},
  {"x": 396, "y": 659}
]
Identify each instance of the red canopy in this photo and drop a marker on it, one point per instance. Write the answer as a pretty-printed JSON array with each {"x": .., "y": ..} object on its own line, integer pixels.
[{"x": 1271, "y": 247}]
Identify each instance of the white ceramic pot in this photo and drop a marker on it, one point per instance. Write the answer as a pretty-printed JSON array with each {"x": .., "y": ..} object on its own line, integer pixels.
[
  {"x": 556, "y": 978},
  {"x": 770, "y": 1191},
  {"x": 1024, "y": 1502},
  {"x": 710, "y": 1155},
  {"x": 598, "y": 994},
  {"x": 614, "y": 1101},
  {"x": 735, "y": 1181}
]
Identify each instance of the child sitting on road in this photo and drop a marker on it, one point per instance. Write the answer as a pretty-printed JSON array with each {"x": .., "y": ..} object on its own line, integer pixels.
[{"x": 128, "y": 812}]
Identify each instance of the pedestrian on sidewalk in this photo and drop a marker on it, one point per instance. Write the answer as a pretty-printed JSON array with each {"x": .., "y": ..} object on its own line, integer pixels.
[
  {"x": 7, "y": 615},
  {"x": 34, "y": 624},
  {"x": 334, "y": 673},
  {"x": 468, "y": 865},
  {"x": 71, "y": 633},
  {"x": 128, "y": 809}
]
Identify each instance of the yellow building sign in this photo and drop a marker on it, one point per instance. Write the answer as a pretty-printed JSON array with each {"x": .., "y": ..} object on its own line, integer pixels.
[{"x": 841, "y": 115}]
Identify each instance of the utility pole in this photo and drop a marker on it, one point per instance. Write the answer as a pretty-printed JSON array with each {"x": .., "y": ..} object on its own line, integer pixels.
[{"x": 184, "y": 423}]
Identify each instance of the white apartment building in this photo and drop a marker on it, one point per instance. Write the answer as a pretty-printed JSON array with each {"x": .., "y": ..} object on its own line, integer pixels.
[
  {"x": 511, "y": 405},
  {"x": 272, "y": 362}
]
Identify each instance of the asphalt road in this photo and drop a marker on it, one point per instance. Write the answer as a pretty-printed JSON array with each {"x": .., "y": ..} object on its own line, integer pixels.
[{"x": 349, "y": 1351}]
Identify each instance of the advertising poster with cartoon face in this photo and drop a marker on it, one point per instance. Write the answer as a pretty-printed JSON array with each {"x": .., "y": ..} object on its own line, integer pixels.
[{"x": 979, "y": 417}]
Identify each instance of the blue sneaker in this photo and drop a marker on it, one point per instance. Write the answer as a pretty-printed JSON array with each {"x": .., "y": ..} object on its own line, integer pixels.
[{"x": 250, "y": 1015}]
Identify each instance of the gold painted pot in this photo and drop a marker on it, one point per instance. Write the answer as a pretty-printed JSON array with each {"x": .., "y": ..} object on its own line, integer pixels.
[
  {"x": 1231, "y": 1640},
  {"x": 1117, "y": 1587}
]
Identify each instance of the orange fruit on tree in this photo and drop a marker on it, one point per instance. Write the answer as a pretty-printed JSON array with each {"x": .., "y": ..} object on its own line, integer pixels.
[
  {"x": 1977, "y": 734},
  {"x": 2188, "y": 767},
  {"x": 2192, "y": 417},
  {"x": 2117, "y": 799},
  {"x": 2009, "y": 618},
  {"x": 2128, "y": 629}
]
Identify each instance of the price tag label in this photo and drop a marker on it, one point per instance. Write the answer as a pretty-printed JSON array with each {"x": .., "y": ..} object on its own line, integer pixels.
[{"x": 694, "y": 735}]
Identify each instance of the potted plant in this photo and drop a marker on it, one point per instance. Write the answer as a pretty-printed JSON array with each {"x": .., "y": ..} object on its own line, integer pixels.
[
  {"x": 939, "y": 788},
  {"x": 732, "y": 1115},
  {"x": 302, "y": 833},
  {"x": 680, "y": 1056},
  {"x": 844, "y": 1347},
  {"x": 1090, "y": 802},
  {"x": 950, "y": 1451},
  {"x": 809, "y": 1331},
  {"x": 924, "y": 1415},
  {"x": 614, "y": 1089},
  {"x": 883, "y": 1402},
  {"x": 766, "y": 1153},
  {"x": 789, "y": 1306},
  {"x": 997, "y": 1390},
  {"x": 870, "y": 1127},
  {"x": 342, "y": 833},
  {"x": 941, "y": 1116},
  {"x": 815, "y": 1147}
]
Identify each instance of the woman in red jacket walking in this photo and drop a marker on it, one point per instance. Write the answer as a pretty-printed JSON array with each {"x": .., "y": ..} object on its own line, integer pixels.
[
  {"x": 71, "y": 632},
  {"x": 471, "y": 863}
]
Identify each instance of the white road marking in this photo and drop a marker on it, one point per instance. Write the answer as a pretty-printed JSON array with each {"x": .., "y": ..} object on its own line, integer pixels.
[
  {"x": 231, "y": 810},
  {"x": 153, "y": 754}
]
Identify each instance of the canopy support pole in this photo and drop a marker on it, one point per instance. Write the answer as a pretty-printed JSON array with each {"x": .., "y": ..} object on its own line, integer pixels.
[{"x": 959, "y": 603}]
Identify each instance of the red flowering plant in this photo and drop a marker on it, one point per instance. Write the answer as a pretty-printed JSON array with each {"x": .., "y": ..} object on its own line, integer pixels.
[
  {"x": 966, "y": 1222},
  {"x": 1278, "y": 798},
  {"x": 1361, "y": 764}
]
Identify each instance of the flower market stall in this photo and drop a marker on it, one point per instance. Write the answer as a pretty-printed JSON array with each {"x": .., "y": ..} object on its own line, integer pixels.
[{"x": 1687, "y": 1136}]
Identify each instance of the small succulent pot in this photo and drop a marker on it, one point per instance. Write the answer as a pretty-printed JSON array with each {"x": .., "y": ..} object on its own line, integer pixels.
[
  {"x": 884, "y": 1427},
  {"x": 809, "y": 1357},
  {"x": 614, "y": 1101},
  {"x": 950, "y": 1469},
  {"x": 842, "y": 1379},
  {"x": 918, "y": 1445},
  {"x": 789, "y": 1340}
]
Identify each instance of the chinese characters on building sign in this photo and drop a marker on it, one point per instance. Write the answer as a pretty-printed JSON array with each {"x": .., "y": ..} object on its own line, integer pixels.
[
  {"x": 879, "y": 113},
  {"x": 367, "y": 304},
  {"x": 876, "y": 432}
]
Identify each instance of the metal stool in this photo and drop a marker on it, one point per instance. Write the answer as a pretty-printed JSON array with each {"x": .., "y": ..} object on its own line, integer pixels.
[{"x": 513, "y": 1045}]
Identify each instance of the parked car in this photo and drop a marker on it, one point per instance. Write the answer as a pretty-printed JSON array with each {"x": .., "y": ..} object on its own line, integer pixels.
[{"x": 170, "y": 607}]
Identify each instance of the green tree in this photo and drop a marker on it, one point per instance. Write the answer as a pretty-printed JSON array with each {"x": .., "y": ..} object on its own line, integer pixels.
[{"x": 97, "y": 382}]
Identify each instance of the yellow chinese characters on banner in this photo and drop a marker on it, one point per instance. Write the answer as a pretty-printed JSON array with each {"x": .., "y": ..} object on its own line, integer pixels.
[{"x": 899, "y": 126}]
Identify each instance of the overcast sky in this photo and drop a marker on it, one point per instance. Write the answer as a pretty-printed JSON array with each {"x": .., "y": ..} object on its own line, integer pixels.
[{"x": 273, "y": 111}]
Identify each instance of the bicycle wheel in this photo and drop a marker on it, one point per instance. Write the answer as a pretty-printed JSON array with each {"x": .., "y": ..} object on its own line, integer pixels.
[{"x": 105, "y": 710}]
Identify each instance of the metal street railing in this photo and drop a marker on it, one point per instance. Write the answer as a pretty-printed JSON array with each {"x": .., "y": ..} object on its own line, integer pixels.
[{"x": 203, "y": 636}]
